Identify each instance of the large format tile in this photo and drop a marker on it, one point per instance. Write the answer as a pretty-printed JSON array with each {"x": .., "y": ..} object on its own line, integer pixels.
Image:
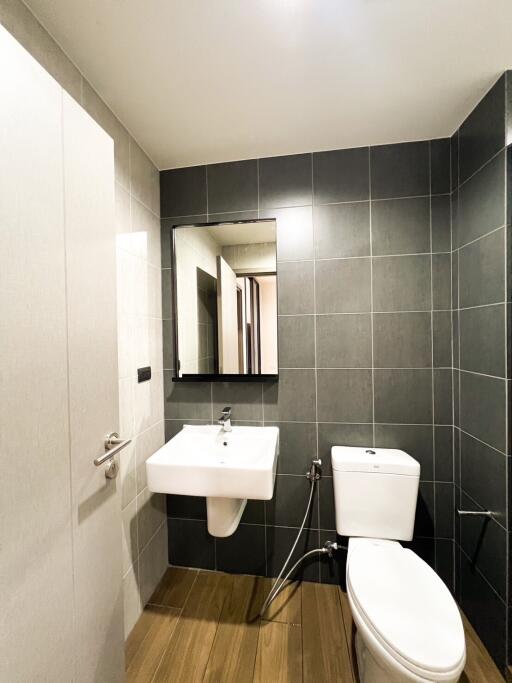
[
  {"x": 443, "y": 447},
  {"x": 413, "y": 439},
  {"x": 402, "y": 340},
  {"x": 297, "y": 446},
  {"x": 289, "y": 502},
  {"x": 243, "y": 552},
  {"x": 483, "y": 132},
  {"x": 488, "y": 491},
  {"x": 441, "y": 223},
  {"x": 187, "y": 400},
  {"x": 344, "y": 341},
  {"x": 296, "y": 337},
  {"x": 285, "y": 181},
  {"x": 483, "y": 408},
  {"x": 232, "y": 186},
  {"x": 295, "y": 287},
  {"x": 483, "y": 340},
  {"x": 292, "y": 398},
  {"x": 482, "y": 201},
  {"x": 441, "y": 282},
  {"x": 443, "y": 397},
  {"x": 485, "y": 541},
  {"x": 400, "y": 170},
  {"x": 190, "y": 544},
  {"x": 183, "y": 192},
  {"x": 344, "y": 395},
  {"x": 245, "y": 399},
  {"x": 401, "y": 226},
  {"x": 341, "y": 175},
  {"x": 440, "y": 165},
  {"x": 342, "y": 230},
  {"x": 401, "y": 283},
  {"x": 482, "y": 271},
  {"x": 343, "y": 286},
  {"x": 403, "y": 396}
]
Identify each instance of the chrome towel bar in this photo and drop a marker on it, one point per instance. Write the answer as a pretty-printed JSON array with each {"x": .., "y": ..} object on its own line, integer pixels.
[{"x": 475, "y": 513}]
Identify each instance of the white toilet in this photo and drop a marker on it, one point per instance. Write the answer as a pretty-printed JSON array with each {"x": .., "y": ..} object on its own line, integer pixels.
[{"x": 408, "y": 625}]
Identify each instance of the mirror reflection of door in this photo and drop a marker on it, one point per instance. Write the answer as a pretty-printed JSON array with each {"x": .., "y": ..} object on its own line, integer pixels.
[{"x": 226, "y": 299}]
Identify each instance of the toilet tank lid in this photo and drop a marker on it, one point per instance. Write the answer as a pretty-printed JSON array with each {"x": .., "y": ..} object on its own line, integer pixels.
[{"x": 376, "y": 460}]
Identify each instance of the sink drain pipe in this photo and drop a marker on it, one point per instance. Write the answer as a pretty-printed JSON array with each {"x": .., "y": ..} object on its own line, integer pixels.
[{"x": 313, "y": 475}]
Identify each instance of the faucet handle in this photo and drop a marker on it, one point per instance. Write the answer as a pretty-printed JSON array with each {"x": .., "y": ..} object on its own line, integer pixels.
[{"x": 226, "y": 410}]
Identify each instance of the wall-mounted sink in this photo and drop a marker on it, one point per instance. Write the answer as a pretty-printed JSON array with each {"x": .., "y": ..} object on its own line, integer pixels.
[{"x": 225, "y": 467}]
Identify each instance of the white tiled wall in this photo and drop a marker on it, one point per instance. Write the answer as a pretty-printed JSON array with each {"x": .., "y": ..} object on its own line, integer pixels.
[{"x": 139, "y": 316}]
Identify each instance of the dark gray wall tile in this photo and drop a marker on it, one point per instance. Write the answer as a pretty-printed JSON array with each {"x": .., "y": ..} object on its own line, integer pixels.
[
  {"x": 485, "y": 542},
  {"x": 244, "y": 552},
  {"x": 402, "y": 340},
  {"x": 296, "y": 336},
  {"x": 482, "y": 339},
  {"x": 228, "y": 216},
  {"x": 341, "y": 175},
  {"x": 186, "y": 507},
  {"x": 425, "y": 512},
  {"x": 190, "y": 544},
  {"x": 442, "y": 336},
  {"x": 279, "y": 542},
  {"x": 342, "y": 230},
  {"x": 326, "y": 507},
  {"x": 295, "y": 287},
  {"x": 484, "y": 609},
  {"x": 441, "y": 282},
  {"x": 484, "y": 475},
  {"x": 444, "y": 510},
  {"x": 482, "y": 201},
  {"x": 168, "y": 343},
  {"x": 232, "y": 186},
  {"x": 441, "y": 223},
  {"x": 183, "y": 191},
  {"x": 293, "y": 398},
  {"x": 483, "y": 132},
  {"x": 416, "y": 440},
  {"x": 403, "y": 396},
  {"x": 297, "y": 446},
  {"x": 483, "y": 408},
  {"x": 344, "y": 395},
  {"x": 401, "y": 226},
  {"x": 443, "y": 453},
  {"x": 400, "y": 170},
  {"x": 167, "y": 290},
  {"x": 343, "y": 286},
  {"x": 445, "y": 561},
  {"x": 285, "y": 181},
  {"x": 331, "y": 434},
  {"x": 424, "y": 548},
  {"x": 294, "y": 232},
  {"x": 289, "y": 502},
  {"x": 482, "y": 271},
  {"x": 245, "y": 399},
  {"x": 440, "y": 166},
  {"x": 344, "y": 341},
  {"x": 186, "y": 400},
  {"x": 401, "y": 283},
  {"x": 454, "y": 160},
  {"x": 443, "y": 405}
]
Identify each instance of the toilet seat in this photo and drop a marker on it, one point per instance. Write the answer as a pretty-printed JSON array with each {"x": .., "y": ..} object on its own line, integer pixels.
[{"x": 406, "y": 608}]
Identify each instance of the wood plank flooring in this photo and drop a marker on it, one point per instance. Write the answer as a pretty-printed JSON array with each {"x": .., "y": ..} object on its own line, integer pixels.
[{"x": 205, "y": 626}]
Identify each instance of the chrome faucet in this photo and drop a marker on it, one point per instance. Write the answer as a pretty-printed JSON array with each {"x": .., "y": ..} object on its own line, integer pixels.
[{"x": 225, "y": 419}]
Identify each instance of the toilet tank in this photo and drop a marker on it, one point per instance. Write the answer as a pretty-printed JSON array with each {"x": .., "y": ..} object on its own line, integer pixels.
[{"x": 375, "y": 492}]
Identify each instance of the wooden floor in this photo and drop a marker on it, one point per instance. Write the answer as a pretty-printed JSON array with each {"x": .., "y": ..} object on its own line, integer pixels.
[{"x": 204, "y": 626}]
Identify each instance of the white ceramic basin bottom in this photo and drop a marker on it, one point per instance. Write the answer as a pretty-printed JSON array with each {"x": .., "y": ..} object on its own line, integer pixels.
[{"x": 226, "y": 467}]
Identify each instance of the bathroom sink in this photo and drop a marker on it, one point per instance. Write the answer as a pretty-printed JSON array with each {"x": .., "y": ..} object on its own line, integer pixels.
[{"x": 225, "y": 467}]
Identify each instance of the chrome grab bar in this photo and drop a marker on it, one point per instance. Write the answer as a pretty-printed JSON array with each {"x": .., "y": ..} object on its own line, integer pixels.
[
  {"x": 475, "y": 513},
  {"x": 113, "y": 444}
]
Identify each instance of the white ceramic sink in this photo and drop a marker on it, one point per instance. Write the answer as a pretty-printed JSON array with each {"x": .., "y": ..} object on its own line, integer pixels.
[{"x": 225, "y": 467}]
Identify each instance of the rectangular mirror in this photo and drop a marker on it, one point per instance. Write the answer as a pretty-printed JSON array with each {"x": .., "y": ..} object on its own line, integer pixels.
[{"x": 225, "y": 300}]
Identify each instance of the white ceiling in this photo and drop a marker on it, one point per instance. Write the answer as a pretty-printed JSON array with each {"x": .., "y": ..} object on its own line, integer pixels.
[{"x": 200, "y": 81}]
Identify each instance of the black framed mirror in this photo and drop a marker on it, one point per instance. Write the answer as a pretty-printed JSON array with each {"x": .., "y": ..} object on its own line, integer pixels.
[{"x": 225, "y": 301}]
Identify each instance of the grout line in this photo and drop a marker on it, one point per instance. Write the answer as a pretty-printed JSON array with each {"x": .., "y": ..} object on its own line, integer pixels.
[
  {"x": 481, "y": 237},
  {"x": 432, "y": 347},
  {"x": 497, "y": 450},
  {"x": 371, "y": 295}
]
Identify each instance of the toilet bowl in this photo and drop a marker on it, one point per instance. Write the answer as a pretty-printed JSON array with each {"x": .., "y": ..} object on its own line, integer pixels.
[{"x": 408, "y": 624}]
